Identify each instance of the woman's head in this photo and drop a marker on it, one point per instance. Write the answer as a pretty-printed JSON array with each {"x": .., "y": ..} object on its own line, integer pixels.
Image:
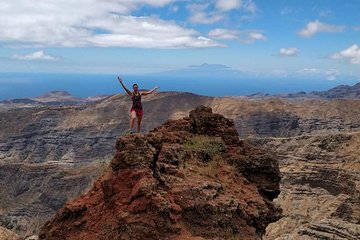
[{"x": 135, "y": 87}]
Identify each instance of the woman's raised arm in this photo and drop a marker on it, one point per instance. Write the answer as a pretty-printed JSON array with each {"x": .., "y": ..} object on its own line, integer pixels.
[
  {"x": 122, "y": 84},
  {"x": 149, "y": 92}
]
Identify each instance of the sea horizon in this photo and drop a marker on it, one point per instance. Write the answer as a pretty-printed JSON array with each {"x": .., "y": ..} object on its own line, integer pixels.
[{"x": 22, "y": 85}]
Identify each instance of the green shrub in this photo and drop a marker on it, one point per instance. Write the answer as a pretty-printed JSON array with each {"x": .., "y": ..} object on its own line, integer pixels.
[{"x": 205, "y": 148}]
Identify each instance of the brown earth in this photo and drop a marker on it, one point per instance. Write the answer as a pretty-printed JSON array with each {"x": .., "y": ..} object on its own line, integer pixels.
[{"x": 188, "y": 178}]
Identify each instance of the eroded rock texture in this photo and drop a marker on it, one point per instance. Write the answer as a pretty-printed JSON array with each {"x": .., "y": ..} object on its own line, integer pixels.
[
  {"x": 320, "y": 188},
  {"x": 6, "y": 234},
  {"x": 187, "y": 179}
]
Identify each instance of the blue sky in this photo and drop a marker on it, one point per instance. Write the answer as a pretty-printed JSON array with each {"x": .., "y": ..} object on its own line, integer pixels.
[{"x": 281, "y": 39}]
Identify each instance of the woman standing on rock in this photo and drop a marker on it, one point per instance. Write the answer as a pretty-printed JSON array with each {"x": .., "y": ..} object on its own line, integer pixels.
[{"x": 136, "y": 111}]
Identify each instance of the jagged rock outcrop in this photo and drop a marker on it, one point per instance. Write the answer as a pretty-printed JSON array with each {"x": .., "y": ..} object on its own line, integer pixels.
[{"x": 187, "y": 179}]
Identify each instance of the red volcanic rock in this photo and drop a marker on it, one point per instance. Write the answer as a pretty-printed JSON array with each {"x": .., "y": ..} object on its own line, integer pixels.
[
  {"x": 187, "y": 179},
  {"x": 203, "y": 121}
]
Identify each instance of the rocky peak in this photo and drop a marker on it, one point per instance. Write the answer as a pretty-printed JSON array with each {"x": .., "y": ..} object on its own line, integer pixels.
[
  {"x": 204, "y": 121},
  {"x": 187, "y": 179}
]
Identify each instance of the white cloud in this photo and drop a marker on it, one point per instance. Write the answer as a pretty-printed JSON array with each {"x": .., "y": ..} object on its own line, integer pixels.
[
  {"x": 100, "y": 23},
  {"x": 227, "y": 5},
  {"x": 206, "y": 18},
  {"x": 325, "y": 13},
  {"x": 351, "y": 54},
  {"x": 316, "y": 26},
  {"x": 129, "y": 31},
  {"x": 317, "y": 73},
  {"x": 250, "y": 6},
  {"x": 35, "y": 56},
  {"x": 287, "y": 52},
  {"x": 200, "y": 14},
  {"x": 244, "y": 36},
  {"x": 214, "y": 11},
  {"x": 332, "y": 74},
  {"x": 309, "y": 70},
  {"x": 356, "y": 28},
  {"x": 255, "y": 36},
  {"x": 221, "y": 33}
]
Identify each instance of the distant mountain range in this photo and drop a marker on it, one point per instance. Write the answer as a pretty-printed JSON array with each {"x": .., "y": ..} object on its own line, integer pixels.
[
  {"x": 204, "y": 70},
  {"x": 341, "y": 91},
  {"x": 52, "y": 98},
  {"x": 65, "y": 98}
]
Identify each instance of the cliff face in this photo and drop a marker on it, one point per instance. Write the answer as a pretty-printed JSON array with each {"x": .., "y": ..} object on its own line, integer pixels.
[
  {"x": 30, "y": 194},
  {"x": 187, "y": 179},
  {"x": 320, "y": 188}
]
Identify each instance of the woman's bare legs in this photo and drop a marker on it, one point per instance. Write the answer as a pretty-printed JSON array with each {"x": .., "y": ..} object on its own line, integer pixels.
[
  {"x": 139, "y": 118},
  {"x": 132, "y": 119}
]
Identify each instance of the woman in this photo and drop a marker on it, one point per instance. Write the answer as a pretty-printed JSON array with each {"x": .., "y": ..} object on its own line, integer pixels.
[{"x": 136, "y": 111}]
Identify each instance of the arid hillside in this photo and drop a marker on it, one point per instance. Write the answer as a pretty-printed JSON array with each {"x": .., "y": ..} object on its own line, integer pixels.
[
  {"x": 187, "y": 179},
  {"x": 52, "y": 153}
]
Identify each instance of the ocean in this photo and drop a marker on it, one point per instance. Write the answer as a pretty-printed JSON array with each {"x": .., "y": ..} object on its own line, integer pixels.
[{"x": 21, "y": 85}]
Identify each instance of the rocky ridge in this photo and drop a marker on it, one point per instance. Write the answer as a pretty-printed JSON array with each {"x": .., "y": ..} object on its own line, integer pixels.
[
  {"x": 187, "y": 179},
  {"x": 338, "y": 92}
]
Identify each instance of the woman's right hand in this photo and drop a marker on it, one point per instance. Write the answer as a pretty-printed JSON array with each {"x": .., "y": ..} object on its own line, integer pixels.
[{"x": 120, "y": 79}]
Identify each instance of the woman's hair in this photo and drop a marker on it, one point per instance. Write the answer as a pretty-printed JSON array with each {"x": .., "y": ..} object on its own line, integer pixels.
[{"x": 135, "y": 84}]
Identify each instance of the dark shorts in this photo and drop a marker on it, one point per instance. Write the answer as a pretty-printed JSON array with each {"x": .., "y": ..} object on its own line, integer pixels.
[{"x": 139, "y": 112}]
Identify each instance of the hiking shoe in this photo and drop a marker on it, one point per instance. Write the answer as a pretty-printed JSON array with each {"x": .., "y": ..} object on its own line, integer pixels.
[{"x": 129, "y": 131}]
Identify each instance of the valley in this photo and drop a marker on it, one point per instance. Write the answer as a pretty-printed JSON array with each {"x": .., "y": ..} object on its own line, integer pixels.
[{"x": 52, "y": 153}]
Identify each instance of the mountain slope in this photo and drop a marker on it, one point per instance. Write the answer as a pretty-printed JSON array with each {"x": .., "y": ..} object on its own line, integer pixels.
[
  {"x": 187, "y": 178},
  {"x": 338, "y": 92},
  {"x": 76, "y": 141},
  {"x": 342, "y": 91},
  {"x": 53, "y": 98}
]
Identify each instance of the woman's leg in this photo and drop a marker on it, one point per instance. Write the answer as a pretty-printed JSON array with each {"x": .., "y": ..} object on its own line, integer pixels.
[
  {"x": 139, "y": 118},
  {"x": 132, "y": 119}
]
